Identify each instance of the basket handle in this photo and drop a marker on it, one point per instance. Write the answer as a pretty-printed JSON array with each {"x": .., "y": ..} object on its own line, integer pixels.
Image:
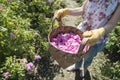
[
  {"x": 59, "y": 22},
  {"x": 83, "y": 43}
]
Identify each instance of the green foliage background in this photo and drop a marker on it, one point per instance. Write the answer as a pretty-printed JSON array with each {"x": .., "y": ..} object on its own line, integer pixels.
[{"x": 24, "y": 27}]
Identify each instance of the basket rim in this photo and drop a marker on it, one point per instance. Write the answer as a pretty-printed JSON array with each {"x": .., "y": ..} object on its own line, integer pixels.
[
  {"x": 63, "y": 27},
  {"x": 65, "y": 32}
]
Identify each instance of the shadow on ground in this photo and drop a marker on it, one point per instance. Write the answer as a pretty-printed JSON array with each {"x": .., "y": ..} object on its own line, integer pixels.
[
  {"x": 87, "y": 76},
  {"x": 45, "y": 69}
]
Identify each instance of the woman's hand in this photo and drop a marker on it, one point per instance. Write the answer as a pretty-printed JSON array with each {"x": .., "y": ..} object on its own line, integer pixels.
[
  {"x": 94, "y": 35},
  {"x": 61, "y": 13}
]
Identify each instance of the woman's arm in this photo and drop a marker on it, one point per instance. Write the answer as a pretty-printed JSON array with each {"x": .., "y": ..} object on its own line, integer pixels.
[
  {"x": 113, "y": 20},
  {"x": 67, "y": 11},
  {"x": 78, "y": 11}
]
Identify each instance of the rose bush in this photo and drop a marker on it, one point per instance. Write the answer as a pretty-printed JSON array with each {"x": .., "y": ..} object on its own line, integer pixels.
[
  {"x": 112, "y": 49},
  {"x": 24, "y": 26}
]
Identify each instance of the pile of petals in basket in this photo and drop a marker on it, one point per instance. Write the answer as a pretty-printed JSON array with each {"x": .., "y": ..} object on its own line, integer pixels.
[{"x": 68, "y": 42}]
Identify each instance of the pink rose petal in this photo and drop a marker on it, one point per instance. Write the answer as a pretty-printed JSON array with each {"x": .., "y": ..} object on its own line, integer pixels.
[{"x": 68, "y": 42}]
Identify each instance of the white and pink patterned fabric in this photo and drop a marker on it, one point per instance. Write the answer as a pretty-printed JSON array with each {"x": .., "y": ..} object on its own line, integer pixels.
[{"x": 97, "y": 13}]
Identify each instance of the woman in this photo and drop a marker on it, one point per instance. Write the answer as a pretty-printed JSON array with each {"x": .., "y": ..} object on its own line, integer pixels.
[{"x": 99, "y": 18}]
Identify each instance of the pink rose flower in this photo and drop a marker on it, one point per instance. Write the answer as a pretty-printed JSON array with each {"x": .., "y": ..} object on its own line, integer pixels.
[
  {"x": 6, "y": 74},
  {"x": 86, "y": 48},
  {"x": 37, "y": 57},
  {"x": 50, "y": 1},
  {"x": 24, "y": 60},
  {"x": 12, "y": 35},
  {"x": 29, "y": 66}
]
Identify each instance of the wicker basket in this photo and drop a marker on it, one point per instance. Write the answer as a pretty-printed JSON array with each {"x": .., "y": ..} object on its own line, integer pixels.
[{"x": 63, "y": 58}]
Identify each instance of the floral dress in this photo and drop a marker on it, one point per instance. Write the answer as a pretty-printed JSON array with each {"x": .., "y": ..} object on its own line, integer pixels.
[{"x": 97, "y": 13}]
